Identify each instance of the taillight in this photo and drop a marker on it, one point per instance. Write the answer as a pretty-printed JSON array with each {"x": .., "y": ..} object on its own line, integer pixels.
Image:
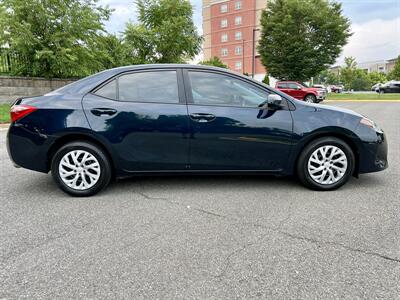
[{"x": 19, "y": 111}]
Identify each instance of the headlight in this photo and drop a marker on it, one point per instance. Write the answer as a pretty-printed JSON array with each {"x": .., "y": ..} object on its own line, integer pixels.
[
  {"x": 320, "y": 92},
  {"x": 367, "y": 122}
]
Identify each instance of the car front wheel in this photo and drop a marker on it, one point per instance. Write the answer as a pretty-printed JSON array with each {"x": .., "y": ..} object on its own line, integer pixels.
[
  {"x": 326, "y": 164},
  {"x": 310, "y": 99},
  {"x": 81, "y": 169}
]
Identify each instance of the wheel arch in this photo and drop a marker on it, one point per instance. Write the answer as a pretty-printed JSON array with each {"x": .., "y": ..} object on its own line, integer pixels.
[
  {"x": 340, "y": 135},
  {"x": 72, "y": 137},
  {"x": 310, "y": 94}
]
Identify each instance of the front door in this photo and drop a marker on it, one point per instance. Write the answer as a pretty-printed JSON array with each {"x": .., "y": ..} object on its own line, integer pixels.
[
  {"x": 295, "y": 90},
  {"x": 143, "y": 116},
  {"x": 229, "y": 131}
]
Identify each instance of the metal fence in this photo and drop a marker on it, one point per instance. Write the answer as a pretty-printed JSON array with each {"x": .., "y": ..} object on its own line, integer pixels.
[{"x": 9, "y": 61}]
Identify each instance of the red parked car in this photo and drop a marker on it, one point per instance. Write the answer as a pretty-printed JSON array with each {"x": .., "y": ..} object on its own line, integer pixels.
[{"x": 301, "y": 91}]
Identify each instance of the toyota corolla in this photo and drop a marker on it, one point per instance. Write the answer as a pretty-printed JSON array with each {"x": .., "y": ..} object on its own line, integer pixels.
[{"x": 184, "y": 119}]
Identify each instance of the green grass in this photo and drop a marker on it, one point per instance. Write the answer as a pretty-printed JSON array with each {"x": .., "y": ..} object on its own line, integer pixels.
[
  {"x": 361, "y": 96},
  {"x": 4, "y": 113}
]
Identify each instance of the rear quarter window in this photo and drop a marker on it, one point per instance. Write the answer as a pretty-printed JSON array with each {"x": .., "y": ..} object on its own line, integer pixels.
[{"x": 108, "y": 90}]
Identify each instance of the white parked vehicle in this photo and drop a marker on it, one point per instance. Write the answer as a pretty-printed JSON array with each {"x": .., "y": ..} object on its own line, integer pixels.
[{"x": 375, "y": 87}]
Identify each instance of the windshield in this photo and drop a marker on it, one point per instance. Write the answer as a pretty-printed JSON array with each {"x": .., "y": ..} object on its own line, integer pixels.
[{"x": 303, "y": 84}]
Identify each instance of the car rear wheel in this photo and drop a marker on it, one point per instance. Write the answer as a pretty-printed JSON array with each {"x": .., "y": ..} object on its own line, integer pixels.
[
  {"x": 326, "y": 164},
  {"x": 310, "y": 98},
  {"x": 81, "y": 169}
]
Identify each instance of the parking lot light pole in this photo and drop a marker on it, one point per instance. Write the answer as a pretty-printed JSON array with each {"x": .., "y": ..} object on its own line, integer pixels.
[{"x": 253, "y": 55}]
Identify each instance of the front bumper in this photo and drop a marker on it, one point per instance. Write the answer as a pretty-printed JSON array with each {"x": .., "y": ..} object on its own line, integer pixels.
[{"x": 373, "y": 157}]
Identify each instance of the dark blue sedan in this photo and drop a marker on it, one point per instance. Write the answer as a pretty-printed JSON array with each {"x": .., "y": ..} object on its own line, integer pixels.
[{"x": 184, "y": 119}]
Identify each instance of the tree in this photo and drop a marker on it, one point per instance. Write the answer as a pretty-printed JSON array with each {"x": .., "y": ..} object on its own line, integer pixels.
[
  {"x": 355, "y": 78},
  {"x": 215, "y": 61},
  {"x": 165, "y": 33},
  {"x": 112, "y": 52},
  {"x": 395, "y": 73},
  {"x": 55, "y": 38},
  {"x": 300, "y": 38},
  {"x": 377, "y": 77},
  {"x": 361, "y": 81},
  {"x": 348, "y": 73}
]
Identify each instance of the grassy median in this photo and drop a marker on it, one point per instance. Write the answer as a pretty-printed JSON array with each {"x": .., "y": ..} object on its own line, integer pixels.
[
  {"x": 363, "y": 96},
  {"x": 4, "y": 113}
]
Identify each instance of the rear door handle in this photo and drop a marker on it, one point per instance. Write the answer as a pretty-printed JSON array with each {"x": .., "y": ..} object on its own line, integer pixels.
[
  {"x": 202, "y": 118},
  {"x": 103, "y": 111}
]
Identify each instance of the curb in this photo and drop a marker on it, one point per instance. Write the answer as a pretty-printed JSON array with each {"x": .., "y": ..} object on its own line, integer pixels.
[
  {"x": 4, "y": 127},
  {"x": 372, "y": 101}
]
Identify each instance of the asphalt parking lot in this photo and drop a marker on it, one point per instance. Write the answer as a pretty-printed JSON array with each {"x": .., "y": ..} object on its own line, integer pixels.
[{"x": 204, "y": 237}]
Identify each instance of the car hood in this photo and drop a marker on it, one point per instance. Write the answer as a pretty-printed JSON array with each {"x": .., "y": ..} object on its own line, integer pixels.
[
  {"x": 332, "y": 108},
  {"x": 313, "y": 89}
]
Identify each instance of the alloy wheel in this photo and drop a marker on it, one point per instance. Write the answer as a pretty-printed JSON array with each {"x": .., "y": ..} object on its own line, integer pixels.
[
  {"x": 310, "y": 99},
  {"x": 79, "y": 169},
  {"x": 327, "y": 164}
]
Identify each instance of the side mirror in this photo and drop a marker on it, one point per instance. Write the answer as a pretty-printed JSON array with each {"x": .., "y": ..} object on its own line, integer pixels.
[{"x": 274, "y": 101}]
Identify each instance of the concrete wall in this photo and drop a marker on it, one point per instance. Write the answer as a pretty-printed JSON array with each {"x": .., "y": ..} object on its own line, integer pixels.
[{"x": 14, "y": 87}]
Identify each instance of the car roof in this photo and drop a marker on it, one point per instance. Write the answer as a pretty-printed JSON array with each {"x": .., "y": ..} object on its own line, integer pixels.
[
  {"x": 164, "y": 66},
  {"x": 87, "y": 84}
]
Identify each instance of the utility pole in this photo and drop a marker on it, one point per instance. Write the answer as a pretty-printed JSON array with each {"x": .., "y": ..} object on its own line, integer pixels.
[
  {"x": 243, "y": 56},
  {"x": 253, "y": 55}
]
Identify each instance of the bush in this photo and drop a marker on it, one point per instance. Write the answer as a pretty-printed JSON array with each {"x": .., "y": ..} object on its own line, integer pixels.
[
  {"x": 266, "y": 79},
  {"x": 215, "y": 61}
]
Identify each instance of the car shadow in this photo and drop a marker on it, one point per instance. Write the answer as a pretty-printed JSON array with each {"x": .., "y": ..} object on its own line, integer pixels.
[{"x": 202, "y": 183}]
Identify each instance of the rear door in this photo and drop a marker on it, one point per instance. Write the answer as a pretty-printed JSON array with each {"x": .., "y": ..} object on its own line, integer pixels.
[
  {"x": 143, "y": 116},
  {"x": 229, "y": 130}
]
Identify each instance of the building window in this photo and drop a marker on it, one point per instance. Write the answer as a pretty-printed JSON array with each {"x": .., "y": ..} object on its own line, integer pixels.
[
  {"x": 238, "y": 65},
  {"x": 224, "y": 8},
  {"x": 238, "y": 5},
  {"x": 224, "y": 51},
  {"x": 238, "y": 50},
  {"x": 224, "y": 23},
  {"x": 224, "y": 37},
  {"x": 238, "y": 20},
  {"x": 238, "y": 35}
]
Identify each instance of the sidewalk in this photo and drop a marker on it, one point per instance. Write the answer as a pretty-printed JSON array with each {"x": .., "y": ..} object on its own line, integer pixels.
[{"x": 4, "y": 127}]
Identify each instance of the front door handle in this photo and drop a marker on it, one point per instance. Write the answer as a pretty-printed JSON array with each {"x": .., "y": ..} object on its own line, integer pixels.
[
  {"x": 103, "y": 111},
  {"x": 202, "y": 118}
]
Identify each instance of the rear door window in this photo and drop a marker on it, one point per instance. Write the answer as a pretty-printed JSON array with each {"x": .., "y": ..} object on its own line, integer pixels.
[
  {"x": 153, "y": 86},
  {"x": 293, "y": 86}
]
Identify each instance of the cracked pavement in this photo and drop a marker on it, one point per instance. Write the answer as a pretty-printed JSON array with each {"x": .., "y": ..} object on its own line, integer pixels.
[{"x": 208, "y": 237}]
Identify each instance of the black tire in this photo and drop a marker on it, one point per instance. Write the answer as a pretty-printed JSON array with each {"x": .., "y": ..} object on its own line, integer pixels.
[
  {"x": 310, "y": 98},
  {"x": 103, "y": 160},
  {"x": 302, "y": 163}
]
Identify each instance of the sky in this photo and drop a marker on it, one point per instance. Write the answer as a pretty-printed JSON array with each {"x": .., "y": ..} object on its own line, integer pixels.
[{"x": 375, "y": 26}]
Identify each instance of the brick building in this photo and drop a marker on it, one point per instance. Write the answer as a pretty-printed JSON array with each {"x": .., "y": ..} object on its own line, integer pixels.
[{"x": 231, "y": 30}]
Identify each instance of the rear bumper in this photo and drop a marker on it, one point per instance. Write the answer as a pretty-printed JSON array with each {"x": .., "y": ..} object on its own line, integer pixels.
[
  {"x": 28, "y": 149},
  {"x": 373, "y": 158}
]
